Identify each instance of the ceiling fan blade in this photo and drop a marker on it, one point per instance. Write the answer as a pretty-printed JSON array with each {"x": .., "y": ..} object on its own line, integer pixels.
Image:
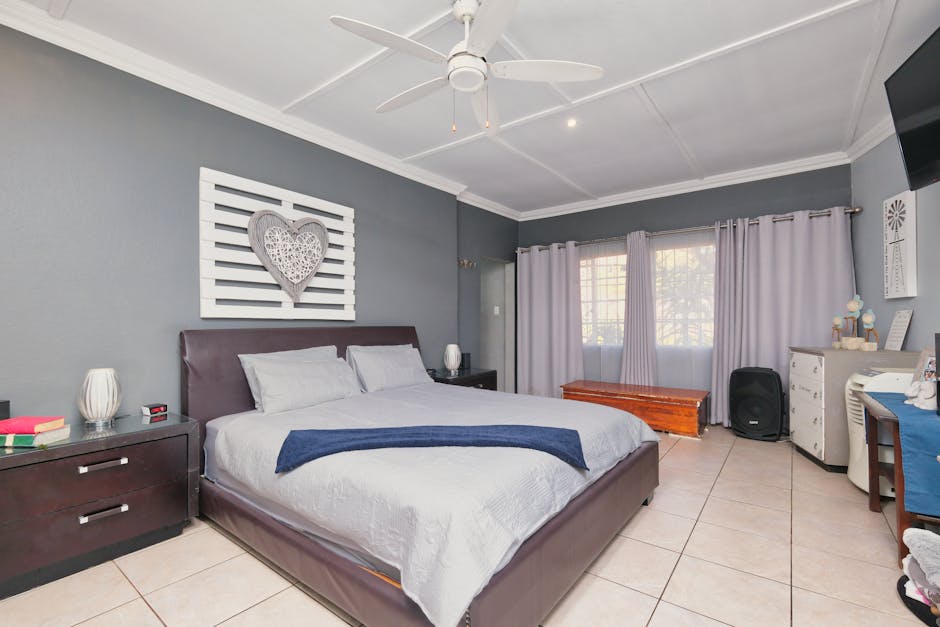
[
  {"x": 388, "y": 39},
  {"x": 484, "y": 109},
  {"x": 415, "y": 93},
  {"x": 546, "y": 71},
  {"x": 490, "y": 22}
]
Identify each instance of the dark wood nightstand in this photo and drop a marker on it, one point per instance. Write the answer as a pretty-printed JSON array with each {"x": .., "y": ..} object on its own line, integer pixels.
[
  {"x": 95, "y": 496},
  {"x": 471, "y": 378}
]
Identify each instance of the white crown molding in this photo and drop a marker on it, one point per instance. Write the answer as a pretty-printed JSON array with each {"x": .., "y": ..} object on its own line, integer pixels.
[
  {"x": 877, "y": 134},
  {"x": 719, "y": 180},
  {"x": 37, "y": 23},
  {"x": 489, "y": 205},
  {"x": 880, "y": 27}
]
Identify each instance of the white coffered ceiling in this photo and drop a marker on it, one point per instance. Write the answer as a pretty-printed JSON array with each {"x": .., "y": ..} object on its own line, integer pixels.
[{"x": 696, "y": 93}]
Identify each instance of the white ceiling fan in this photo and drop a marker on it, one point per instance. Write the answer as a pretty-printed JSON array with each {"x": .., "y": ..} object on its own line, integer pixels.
[{"x": 467, "y": 68}]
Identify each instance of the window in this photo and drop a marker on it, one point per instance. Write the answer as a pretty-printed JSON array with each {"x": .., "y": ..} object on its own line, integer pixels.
[
  {"x": 685, "y": 290},
  {"x": 603, "y": 297}
]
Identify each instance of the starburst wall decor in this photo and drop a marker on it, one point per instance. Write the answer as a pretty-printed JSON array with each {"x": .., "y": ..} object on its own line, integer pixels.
[{"x": 900, "y": 246}]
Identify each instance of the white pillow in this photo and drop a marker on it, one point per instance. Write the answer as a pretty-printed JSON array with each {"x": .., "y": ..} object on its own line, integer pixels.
[
  {"x": 288, "y": 385},
  {"x": 381, "y": 370},
  {"x": 316, "y": 353},
  {"x": 356, "y": 349}
]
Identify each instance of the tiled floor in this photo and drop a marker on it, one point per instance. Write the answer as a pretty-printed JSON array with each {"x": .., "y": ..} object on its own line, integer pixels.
[{"x": 739, "y": 532}]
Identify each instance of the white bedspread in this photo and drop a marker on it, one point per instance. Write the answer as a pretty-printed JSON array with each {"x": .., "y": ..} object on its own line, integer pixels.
[{"x": 447, "y": 518}]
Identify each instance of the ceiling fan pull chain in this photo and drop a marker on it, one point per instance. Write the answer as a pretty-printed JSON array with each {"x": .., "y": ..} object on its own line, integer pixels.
[
  {"x": 487, "y": 87},
  {"x": 453, "y": 98}
]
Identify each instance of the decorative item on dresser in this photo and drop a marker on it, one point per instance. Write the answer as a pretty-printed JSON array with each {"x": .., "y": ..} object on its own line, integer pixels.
[
  {"x": 678, "y": 411},
  {"x": 818, "y": 419},
  {"x": 471, "y": 378},
  {"x": 100, "y": 395},
  {"x": 95, "y": 496}
]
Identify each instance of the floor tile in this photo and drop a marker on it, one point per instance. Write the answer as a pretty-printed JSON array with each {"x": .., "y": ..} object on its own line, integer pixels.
[
  {"x": 669, "y": 615},
  {"x": 740, "y": 550},
  {"x": 215, "y": 594},
  {"x": 837, "y": 511},
  {"x": 196, "y": 524},
  {"x": 326, "y": 603},
  {"x": 662, "y": 529},
  {"x": 849, "y": 580},
  {"x": 766, "y": 472},
  {"x": 754, "y": 519},
  {"x": 728, "y": 595},
  {"x": 596, "y": 601},
  {"x": 684, "y": 479},
  {"x": 807, "y": 477},
  {"x": 679, "y": 502},
  {"x": 876, "y": 547},
  {"x": 811, "y": 610},
  {"x": 752, "y": 493},
  {"x": 162, "y": 564},
  {"x": 134, "y": 614},
  {"x": 290, "y": 608},
  {"x": 69, "y": 600},
  {"x": 643, "y": 567},
  {"x": 890, "y": 511}
]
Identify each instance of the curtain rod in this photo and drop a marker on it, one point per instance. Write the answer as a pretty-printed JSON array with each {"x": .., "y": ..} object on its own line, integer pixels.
[{"x": 693, "y": 229}]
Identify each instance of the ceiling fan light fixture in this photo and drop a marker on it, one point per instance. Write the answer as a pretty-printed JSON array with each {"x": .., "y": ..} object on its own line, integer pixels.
[{"x": 466, "y": 73}]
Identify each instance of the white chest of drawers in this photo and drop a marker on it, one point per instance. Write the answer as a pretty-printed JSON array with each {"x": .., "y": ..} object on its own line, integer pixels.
[{"x": 816, "y": 393}]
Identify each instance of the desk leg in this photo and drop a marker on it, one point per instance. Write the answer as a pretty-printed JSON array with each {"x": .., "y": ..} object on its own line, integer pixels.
[
  {"x": 904, "y": 518},
  {"x": 874, "y": 482}
]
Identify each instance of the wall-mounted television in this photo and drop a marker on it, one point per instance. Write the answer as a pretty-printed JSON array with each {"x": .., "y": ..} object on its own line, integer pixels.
[{"x": 914, "y": 96}]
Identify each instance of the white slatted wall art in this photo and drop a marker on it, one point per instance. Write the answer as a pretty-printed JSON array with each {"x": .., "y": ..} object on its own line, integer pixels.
[{"x": 234, "y": 284}]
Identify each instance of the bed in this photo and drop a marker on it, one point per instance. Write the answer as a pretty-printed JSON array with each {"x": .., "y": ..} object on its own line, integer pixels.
[{"x": 522, "y": 592}]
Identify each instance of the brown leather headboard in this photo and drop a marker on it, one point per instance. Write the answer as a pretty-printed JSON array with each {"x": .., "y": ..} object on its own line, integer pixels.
[{"x": 212, "y": 381}]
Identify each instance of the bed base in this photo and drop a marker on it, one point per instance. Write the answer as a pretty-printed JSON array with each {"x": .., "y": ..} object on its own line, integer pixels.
[{"x": 544, "y": 568}]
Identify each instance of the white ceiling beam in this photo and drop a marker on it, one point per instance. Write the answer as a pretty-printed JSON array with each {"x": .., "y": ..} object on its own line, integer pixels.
[
  {"x": 665, "y": 71},
  {"x": 561, "y": 177},
  {"x": 694, "y": 166},
  {"x": 880, "y": 28},
  {"x": 422, "y": 31},
  {"x": 58, "y": 8}
]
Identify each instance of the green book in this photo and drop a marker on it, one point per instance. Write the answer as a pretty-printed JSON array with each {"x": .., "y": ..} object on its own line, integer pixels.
[{"x": 22, "y": 440}]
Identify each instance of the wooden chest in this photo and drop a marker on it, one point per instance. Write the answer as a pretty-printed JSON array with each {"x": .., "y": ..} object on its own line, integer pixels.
[{"x": 683, "y": 412}]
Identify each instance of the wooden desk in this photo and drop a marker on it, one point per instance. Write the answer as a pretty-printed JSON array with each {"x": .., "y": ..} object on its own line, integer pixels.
[
  {"x": 877, "y": 414},
  {"x": 676, "y": 410}
]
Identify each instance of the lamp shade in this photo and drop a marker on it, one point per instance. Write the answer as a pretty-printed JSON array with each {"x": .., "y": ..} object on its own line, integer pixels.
[{"x": 452, "y": 357}]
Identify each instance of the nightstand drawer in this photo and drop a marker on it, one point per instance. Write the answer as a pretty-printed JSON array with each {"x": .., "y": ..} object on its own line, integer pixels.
[
  {"x": 41, "y": 488},
  {"x": 483, "y": 382},
  {"x": 30, "y": 544}
]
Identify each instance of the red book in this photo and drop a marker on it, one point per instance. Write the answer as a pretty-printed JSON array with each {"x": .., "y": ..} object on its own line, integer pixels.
[{"x": 31, "y": 424}]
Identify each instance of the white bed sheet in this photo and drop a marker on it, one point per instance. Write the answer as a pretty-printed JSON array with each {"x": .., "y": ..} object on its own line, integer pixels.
[{"x": 446, "y": 518}]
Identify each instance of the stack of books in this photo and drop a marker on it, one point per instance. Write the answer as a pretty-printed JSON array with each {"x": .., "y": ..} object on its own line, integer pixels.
[{"x": 33, "y": 431}]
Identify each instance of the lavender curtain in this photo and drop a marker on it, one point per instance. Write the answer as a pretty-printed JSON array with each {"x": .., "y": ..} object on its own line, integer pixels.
[
  {"x": 778, "y": 285},
  {"x": 638, "y": 364},
  {"x": 549, "y": 341}
]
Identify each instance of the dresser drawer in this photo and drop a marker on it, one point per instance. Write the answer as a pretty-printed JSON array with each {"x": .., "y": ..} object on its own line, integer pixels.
[
  {"x": 807, "y": 365},
  {"x": 810, "y": 391},
  {"x": 30, "y": 544},
  {"x": 808, "y": 427},
  {"x": 51, "y": 486}
]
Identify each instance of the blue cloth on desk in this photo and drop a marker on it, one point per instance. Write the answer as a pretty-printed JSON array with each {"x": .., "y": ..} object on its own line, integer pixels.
[
  {"x": 920, "y": 446},
  {"x": 307, "y": 445}
]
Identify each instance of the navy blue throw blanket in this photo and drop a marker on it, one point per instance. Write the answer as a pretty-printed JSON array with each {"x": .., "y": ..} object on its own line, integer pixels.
[{"x": 307, "y": 445}]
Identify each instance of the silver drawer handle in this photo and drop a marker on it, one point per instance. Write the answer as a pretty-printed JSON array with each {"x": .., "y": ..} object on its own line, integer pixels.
[
  {"x": 118, "y": 509},
  {"x": 815, "y": 420},
  {"x": 815, "y": 369},
  {"x": 793, "y": 410},
  {"x": 815, "y": 394},
  {"x": 793, "y": 386},
  {"x": 111, "y": 463}
]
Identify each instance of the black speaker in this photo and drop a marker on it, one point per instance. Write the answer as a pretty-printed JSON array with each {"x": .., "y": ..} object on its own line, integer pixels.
[{"x": 755, "y": 396}]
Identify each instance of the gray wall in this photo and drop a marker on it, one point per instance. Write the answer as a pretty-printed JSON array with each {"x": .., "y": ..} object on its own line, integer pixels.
[
  {"x": 876, "y": 176},
  {"x": 98, "y": 226},
  {"x": 818, "y": 189},
  {"x": 481, "y": 234}
]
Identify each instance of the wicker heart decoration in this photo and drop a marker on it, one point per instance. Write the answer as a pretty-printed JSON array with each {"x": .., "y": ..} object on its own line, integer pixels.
[{"x": 290, "y": 250}]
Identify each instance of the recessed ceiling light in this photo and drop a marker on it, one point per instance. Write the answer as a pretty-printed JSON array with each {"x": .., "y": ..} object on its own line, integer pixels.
[{"x": 572, "y": 122}]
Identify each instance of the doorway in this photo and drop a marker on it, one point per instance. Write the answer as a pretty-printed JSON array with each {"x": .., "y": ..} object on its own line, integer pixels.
[{"x": 498, "y": 321}]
